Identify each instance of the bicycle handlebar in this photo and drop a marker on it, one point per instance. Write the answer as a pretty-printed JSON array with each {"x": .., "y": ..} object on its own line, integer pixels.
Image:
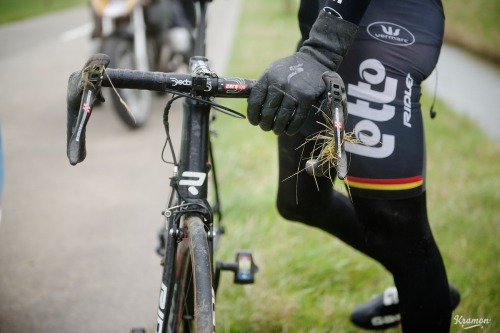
[
  {"x": 206, "y": 86},
  {"x": 202, "y": 84}
]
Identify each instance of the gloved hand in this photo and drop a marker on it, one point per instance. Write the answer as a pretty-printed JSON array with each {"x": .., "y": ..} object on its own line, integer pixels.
[{"x": 290, "y": 87}]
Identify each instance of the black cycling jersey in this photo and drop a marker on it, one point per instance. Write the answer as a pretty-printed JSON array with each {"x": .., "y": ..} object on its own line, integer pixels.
[{"x": 396, "y": 48}]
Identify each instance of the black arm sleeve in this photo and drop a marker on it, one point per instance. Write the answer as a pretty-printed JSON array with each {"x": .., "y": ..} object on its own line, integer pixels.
[{"x": 349, "y": 10}]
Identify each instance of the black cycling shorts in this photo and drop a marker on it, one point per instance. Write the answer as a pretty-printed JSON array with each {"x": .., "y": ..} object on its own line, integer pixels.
[{"x": 396, "y": 48}]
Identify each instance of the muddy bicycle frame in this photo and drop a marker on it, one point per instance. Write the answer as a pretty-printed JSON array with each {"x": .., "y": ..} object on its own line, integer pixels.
[{"x": 189, "y": 183}]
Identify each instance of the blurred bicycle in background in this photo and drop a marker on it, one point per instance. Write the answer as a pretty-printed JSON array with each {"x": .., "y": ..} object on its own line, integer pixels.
[{"x": 144, "y": 35}]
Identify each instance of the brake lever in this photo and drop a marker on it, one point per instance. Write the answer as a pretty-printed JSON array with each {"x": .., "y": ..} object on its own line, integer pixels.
[
  {"x": 91, "y": 78},
  {"x": 336, "y": 105}
]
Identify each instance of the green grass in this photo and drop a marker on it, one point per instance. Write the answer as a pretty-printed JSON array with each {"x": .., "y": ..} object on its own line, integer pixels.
[
  {"x": 12, "y": 10},
  {"x": 309, "y": 281},
  {"x": 475, "y": 26}
]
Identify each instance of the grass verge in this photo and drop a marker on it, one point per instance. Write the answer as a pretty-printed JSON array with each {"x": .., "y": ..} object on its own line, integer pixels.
[
  {"x": 309, "y": 281},
  {"x": 13, "y": 10},
  {"x": 474, "y": 26}
]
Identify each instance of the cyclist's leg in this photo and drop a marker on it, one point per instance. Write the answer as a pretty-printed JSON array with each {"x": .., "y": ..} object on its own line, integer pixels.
[
  {"x": 388, "y": 177},
  {"x": 405, "y": 245},
  {"x": 394, "y": 232},
  {"x": 313, "y": 201}
]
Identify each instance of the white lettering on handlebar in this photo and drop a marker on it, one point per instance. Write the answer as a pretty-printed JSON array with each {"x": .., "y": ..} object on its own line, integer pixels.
[
  {"x": 235, "y": 86},
  {"x": 177, "y": 82}
]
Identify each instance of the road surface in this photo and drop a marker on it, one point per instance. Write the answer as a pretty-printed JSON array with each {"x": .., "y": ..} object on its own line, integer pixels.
[{"x": 77, "y": 244}]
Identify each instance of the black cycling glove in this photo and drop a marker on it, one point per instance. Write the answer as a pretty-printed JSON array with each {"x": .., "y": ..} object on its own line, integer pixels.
[{"x": 290, "y": 87}]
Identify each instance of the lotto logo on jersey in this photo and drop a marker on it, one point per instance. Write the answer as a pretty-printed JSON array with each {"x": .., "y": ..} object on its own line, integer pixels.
[{"x": 371, "y": 101}]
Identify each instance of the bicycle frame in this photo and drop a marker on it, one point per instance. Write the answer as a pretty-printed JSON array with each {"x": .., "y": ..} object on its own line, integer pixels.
[
  {"x": 190, "y": 179},
  {"x": 189, "y": 217},
  {"x": 195, "y": 141}
]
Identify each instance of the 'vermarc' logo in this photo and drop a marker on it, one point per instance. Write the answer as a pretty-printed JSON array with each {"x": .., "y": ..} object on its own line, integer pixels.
[{"x": 391, "y": 33}]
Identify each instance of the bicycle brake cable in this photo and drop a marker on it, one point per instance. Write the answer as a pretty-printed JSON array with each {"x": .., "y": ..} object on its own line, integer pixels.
[
  {"x": 218, "y": 107},
  {"x": 166, "y": 124},
  {"x": 166, "y": 111}
]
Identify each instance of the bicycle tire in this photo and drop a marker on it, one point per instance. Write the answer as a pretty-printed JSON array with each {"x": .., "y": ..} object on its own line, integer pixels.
[
  {"x": 192, "y": 303},
  {"x": 120, "y": 50}
]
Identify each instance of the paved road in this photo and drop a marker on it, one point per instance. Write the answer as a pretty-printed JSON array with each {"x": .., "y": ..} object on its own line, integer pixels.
[{"x": 77, "y": 243}]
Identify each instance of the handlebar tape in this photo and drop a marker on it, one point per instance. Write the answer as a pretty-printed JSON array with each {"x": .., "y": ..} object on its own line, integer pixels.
[
  {"x": 178, "y": 82},
  {"x": 84, "y": 88}
]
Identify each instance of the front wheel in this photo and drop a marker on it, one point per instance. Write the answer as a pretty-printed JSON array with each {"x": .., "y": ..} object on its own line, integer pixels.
[
  {"x": 121, "y": 53},
  {"x": 192, "y": 304}
]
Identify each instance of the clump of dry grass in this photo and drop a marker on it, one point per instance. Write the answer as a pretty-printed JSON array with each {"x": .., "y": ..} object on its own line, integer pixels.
[
  {"x": 325, "y": 150},
  {"x": 324, "y": 159}
]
